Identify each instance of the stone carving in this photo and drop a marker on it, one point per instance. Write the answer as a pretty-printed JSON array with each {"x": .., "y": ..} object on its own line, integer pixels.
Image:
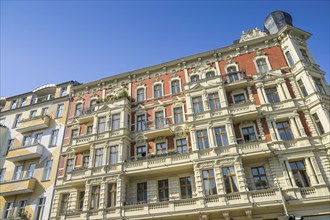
[{"x": 252, "y": 34}]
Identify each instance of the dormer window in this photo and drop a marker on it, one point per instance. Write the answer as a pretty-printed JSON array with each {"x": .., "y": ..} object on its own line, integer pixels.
[
  {"x": 23, "y": 102},
  {"x": 13, "y": 104},
  {"x": 64, "y": 91}
]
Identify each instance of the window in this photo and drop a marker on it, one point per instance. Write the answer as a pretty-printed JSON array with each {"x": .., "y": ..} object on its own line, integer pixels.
[
  {"x": 194, "y": 78},
  {"x": 140, "y": 95},
  {"x": 161, "y": 148},
  {"x": 89, "y": 129},
  {"x": 141, "y": 151},
  {"x": 229, "y": 177},
  {"x": 142, "y": 189},
  {"x": 160, "y": 121},
  {"x": 299, "y": 173},
  {"x": 30, "y": 171},
  {"x": 163, "y": 194},
  {"x": 95, "y": 197},
  {"x": 185, "y": 187},
  {"x": 210, "y": 187},
  {"x": 302, "y": 88},
  {"x": 305, "y": 56},
  {"x": 198, "y": 104},
  {"x": 8, "y": 210},
  {"x": 2, "y": 174},
  {"x": 33, "y": 114},
  {"x": 214, "y": 101},
  {"x": 249, "y": 134},
  {"x": 181, "y": 145},
  {"x": 114, "y": 155},
  {"x": 272, "y": 95},
  {"x": 81, "y": 197},
  {"x": 98, "y": 157},
  {"x": 210, "y": 75},
  {"x": 259, "y": 177},
  {"x": 221, "y": 136},
  {"x": 37, "y": 138},
  {"x": 319, "y": 86},
  {"x": 17, "y": 120},
  {"x": 26, "y": 140},
  {"x": 69, "y": 165},
  {"x": 284, "y": 130},
  {"x": 178, "y": 115},
  {"x": 232, "y": 69},
  {"x": 141, "y": 119},
  {"x": 21, "y": 207},
  {"x": 64, "y": 91},
  {"x": 10, "y": 145},
  {"x": 53, "y": 138},
  {"x": 158, "y": 91},
  {"x": 112, "y": 192},
  {"x": 47, "y": 170},
  {"x": 101, "y": 124},
  {"x": 79, "y": 109},
  {"x": 202, "y": 140},
  {"x": 262, "y": 65},
  {"x": 40, "y": 208},
  {"x": 13, "y": 104},
  {"x": 44, "y": 111},
  {"x": 86, "y": 161},
  {"x": 239, "y": 98},
  {"x": 59, "y": 111},
  {"x": 116, "y": 121},
  {"x": 74, "y": 133},
  {"x": 23, "y": 102},
  {"x": 175, "y": 85},
  {"x": 64, "y": 203},
  {"x": 289, "y": 58},
  {"x": 318, "y": 123}
]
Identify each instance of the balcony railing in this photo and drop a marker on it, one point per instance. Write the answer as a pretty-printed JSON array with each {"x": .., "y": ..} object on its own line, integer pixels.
[
  {"x": 234, "y": 77},
  {"x": 158, "y": 127},
  {"x": 85, "y": 112}
]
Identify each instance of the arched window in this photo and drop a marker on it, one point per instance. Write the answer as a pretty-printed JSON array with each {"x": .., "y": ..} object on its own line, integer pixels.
[
  {"x": 175, "y": 85},
  {"x": 262, "y": 65},
  {"x": 158, "y": 91},
  {"x": 210, "y": 75},
  {"x": 140, "y": 95},
  {"x": 194, "y": 78}
]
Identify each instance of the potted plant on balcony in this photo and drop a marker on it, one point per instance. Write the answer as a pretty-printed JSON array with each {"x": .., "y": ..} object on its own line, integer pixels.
[{"x": 22, "y": 214}]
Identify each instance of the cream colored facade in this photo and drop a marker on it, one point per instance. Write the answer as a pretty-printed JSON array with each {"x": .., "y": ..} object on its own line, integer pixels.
[
  {"x": 253, "y": 141},
  {"x": 31, "y": 138}
]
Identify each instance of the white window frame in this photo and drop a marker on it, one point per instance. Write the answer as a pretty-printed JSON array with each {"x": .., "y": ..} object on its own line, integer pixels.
[
  {"x": 57, "y": 110},
  {"x": 139, "y": 113},
  {"x": 257, "y": 57},
  {"x": 175, "y": 79},
  {"x": 159, "y": 141},
  {"x": 250, "y": 124},
  {"x": 233, "y": 64},
  {"x": 10, "y": 210},
  {"x": 194, "y": 74},
  {"x": 75, "y": 108},
  {"x": 286, "y": 58},
  {"x": 46, "y": 169},
  {"x": 237, "y": 92},
  {"x": 144, "y": 92},
  {"x": 180, "y": 138},
  {"x": 153, "y": 90},
  {"x": 160, "y": 109},
  {"x": 178, "y": 105}
]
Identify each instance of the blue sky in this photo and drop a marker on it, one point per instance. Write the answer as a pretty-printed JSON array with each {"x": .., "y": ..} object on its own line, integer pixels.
[{"x": 56, "y": 41}]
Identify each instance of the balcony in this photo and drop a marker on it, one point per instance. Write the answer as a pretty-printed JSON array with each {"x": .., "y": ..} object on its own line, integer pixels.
[
  {"x": 82, "y": 142},
  {"x": 16, "y": 187},
  {"x": 158, "y": 128},
  {"x": 33, "y": 124},
  {"x": 86, "y": 115},
  {"x": 25, "y": 152},
  {"x": 243, "y": 111}
]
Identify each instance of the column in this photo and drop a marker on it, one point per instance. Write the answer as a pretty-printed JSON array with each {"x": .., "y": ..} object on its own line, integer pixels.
[
  {"x": 222, "y": 97},
  {"x": 310, "y": 172},
  {"x": 103, "y": 193},
  {"x": 262, "y": 97},
  {"x": 300, "y": 126},
  {"x": 120, "y": 151},
  {"x": 95, "y": 121},
  {"x": 106, "y": 152},
  {"x": 217, "y": 68},
  {"x": 261, "y": 129},
  {"x": 280, "y": 89},
  {"x": 211, "y": 136},
  {"x": 240, "y": 175},
  {"x": 205, "y": 100},
  {"x": 271, "y": 129},
  {"x": 285, "y": 89},
  {"x": 189, "y": 106},
  {"x": 294, "y": 127},
  {"x": 295, "y": 87},
  {"x": 230, "y": 132},
  {"x": 251, "y": 98},
  {"x": 91, "y": 157}
]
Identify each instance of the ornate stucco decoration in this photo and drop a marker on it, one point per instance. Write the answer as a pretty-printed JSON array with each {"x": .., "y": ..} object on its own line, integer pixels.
[{"x": 252, "y": 34}]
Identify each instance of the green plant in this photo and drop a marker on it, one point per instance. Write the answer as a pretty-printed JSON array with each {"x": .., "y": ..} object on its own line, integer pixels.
[{"x": 122, "y": 94}]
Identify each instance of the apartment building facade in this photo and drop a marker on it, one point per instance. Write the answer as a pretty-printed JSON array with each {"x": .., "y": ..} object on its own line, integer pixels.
[
  {"x": 240, "y": 132},
  {"x": 32, "y": 128}
]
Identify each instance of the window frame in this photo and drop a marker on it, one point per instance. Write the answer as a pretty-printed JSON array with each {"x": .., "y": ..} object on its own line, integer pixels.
[
  {"x": 211, "y": 180},
  {"x": 271, "y": 94},
  {"x": 101, "y": 125},
  {"x": 205, "y": 142},
  {"x": 181, "y": 145},
  {"x": 215, "y": 99},
  {"x": 98, "y": 158},
  {"x": 60, "y": 110},
  {"x": 285, "y": 130},
  {"x": 115, "y": 121},
  {"x": 289, "y": 58},
  {"x": 94, "y": 202},
  {"x": 64, "y": 205},
  {"x": 318, "y": 123},
  {"x": 140, "y": 125},
  {"x": 302, "y": 87},
  {"x": 142, "y": 191},
  {"x": 159, "y": 93},
  {"x": 186, "y": 185},
  {"x": 40, "y": 208},
  {"x": 259, "y": 176},
  {"x": 47, "y": 170},
  {"x": 163, "y": 190},
  {"x": 53, "y": 137},
  {"x": 176, "y": 89},
  {"x": 233, "y": 183},
  {"x": 198, "y": 107},
  {"x": 180, "y": 117},
  {"x": 297, "y": 173},
  {"x": 219, "y": 136},
  {"x": 111, "y": 195}
]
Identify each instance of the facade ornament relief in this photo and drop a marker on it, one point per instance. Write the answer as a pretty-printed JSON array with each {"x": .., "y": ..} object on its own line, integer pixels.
[{"x": 252, "y": 34}]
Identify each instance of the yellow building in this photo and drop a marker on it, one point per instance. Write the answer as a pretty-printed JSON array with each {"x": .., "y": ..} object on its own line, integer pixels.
[
  {"x": 240, "y": 132},
  {"x": 32, "y": 127}
]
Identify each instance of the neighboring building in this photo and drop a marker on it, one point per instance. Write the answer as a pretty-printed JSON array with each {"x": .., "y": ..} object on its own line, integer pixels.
[{"x": 32, "y": 127}]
